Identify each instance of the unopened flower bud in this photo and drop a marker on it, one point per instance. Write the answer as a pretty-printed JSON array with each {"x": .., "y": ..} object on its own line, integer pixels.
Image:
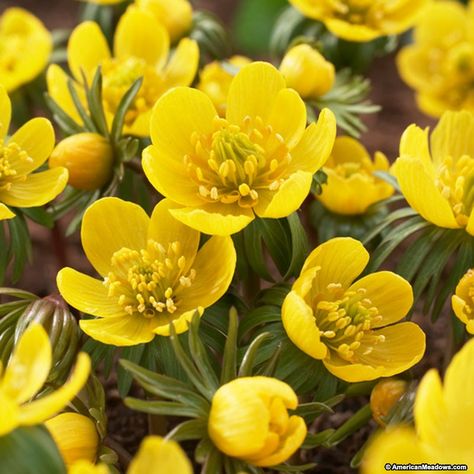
[
  {"x": 384, "y": 396},
  {"x": 88, "y": 157},
  {"x": 306, "y": 71}
]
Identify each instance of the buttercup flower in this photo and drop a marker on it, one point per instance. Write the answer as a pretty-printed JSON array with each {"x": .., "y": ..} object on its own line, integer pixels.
[
  {"x": 25, "y": 151},
  {"x": 141, "y": 49},
  {"x": 249, "y": 420},
  {"x": 384, "y": 396},
  {"x": 159, "y": 456},
  {"x": 350, "y": 325},
  {"x": 88, "y": 157},
  {"x": 362, "y": 20},
  {"x": 176, "y": 16},
  {"x": 439, "y": 64},
  {"x": 75, "y": 436},
  {"x": 87, "y": 467},
  {"x": 152, "y": 273},
  {"x": 351, "y": 185},
  {"x": 215, "y": 80},
  {"x": 259, "y": 160},
  {"x": 26, "y": 374},
  {"x": 307, "y": 71},
  {"x": 25, "y": 48},
  {"x": 443, "y": 419},
  {"x": 463, "y": 301},
  {"x": 436, "y": 176}
]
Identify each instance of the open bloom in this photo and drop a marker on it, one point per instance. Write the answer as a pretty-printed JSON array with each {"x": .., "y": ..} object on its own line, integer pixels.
[
  {"x": 75, "y": 436},
  {"x": 26, "y": 374},
  {"x": 362, "y": 20},
  {"x": 215, "y": 80},
  {"x": 176, "y": 16},
  {"x": 141, "y": 49},
  {"x": 444, "y": 421},
  {"x": 463, "y": 301},
  {"x": 25, "y": 48},
  {"x": 152, "y": 273},
  {"x": 436, "y": 176},
  {"x": 307, "y": 71},
  {"x": 351, "y": 185},
  {"x": 350, "y": 325},
  {"x": 249, "y": 420},
  {"x": 21, "y": 154},
  {"x": 259, "y": 160},
  {"x": 439, "y": 64}
]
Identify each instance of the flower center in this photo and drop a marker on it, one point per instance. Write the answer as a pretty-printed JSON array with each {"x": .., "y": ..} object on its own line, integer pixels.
[
  {"x": 467, "y": 292},
  {"x": 234, "y": 164},
  {"x": 11, "y": 158},
  {"x": 344, "y": 318},
  {"x": 148, "y": 282},
  {"x": 455, "y": 180},
  {"x": 350, "y": 168},
  {"x": 119, "y": 75}
]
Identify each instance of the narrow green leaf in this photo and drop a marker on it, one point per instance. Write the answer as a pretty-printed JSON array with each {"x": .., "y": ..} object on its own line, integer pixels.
[
  {"x": 88, "y": 123},
  {"x": 229, "y": 363},
  {"x": 248, "y": 360},
  {"x": 124, "y": 378},
  {"x": 162, "y": 408},
  {"x": 354, "y": 423},
  {"x": 299, "y": 245},
  {"x": 189, "y": 430},
  {"x": 94, "y": 100}
]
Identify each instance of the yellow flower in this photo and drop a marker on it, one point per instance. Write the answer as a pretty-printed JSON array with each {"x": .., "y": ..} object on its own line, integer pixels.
[
  {"x": 86, "y": 467},
  {"x": 439, "y": 65},
  {"x": 362, "y": 20},
  {"x": 351, "y": 186},
  {"x": 259, "y": 160},
  {"x": 384, "y": 396},
  {"x": 307, "y": 71},
  {"x": 350, "y": 326},
  {"x": 75, "y": 436},
  {"x": 104, "y": 2},
  {"x": 436, "y": 176},
  {"x": 141, "y": 49},
  {"x": 26, "y": 374},
  {"x": 463, "y": 301},
  {"x": 25, "y": 48},
  {"x": 152, "y": 273},
  {"x": 176, "y": 16},
  {"x": 444, "y": 420},
  {"x": 88, "y": 157},
  {"x": 25, "y": 151},
  {"x": 249, "y": 420},
  {"x": 215, "y": 80},
  {"x": 159, "y": 456}
]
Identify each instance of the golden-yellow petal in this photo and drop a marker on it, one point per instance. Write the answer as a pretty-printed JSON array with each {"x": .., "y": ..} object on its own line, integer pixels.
[
  {"x": 109, "y": 225},
  {"x": 29, "y": 366},
  {"x": 5, "y": 213},
  {"x": 253, "y": 92},
  {"x": 5, "y": 112},
  {"x": 415, "y": 144},
  {"x": 183, "y": 65},
  {"x": 10, "y": 418},
  {"x": 350, "y": 31},
  {"x": 470, "y": 223}
]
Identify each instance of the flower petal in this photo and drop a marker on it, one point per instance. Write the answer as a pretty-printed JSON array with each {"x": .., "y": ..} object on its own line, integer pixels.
[
  {"x": 287, "y": 199},
  {"x": 391, "y": 294},
  {"x": 253, "y": 92},
  {"x": 109, "y": 225},
  {"x": 159, "y": 456},
  {"x": 214, "y": 219},
  {"x": 87, "y": 294},
  {"x": 165, "y": 229},
  {"x": 36, "y": 138},
  {"x": 183, "y": 65},
  {"x": 87, "y": 49},
  {"x": 288, "y": 116},
  {"x": 459, "y": 307},
  {"x": 40, "y": 410},
  {"x": 341, "y": 259},
  {"x": 128, "y": 330},
  {"x": 350, "y": 31},
  {"x": 29, "y": 366},
  {"x": 470, "y": 223},
  {"x": 180, "y": 321},
  {"x": 415, "y": 144},
  {"x": 420, "y": 191},
  {"x": 316, "y": 144},
  {"x": 140, "y": 35},
  {"x": 300, "y": 326},
  {"x": 37, "y": 189},
  {"x": 5, "y": 112},
  {"x": 10, "y": 415},
  {"x": 5, "y": 213}
]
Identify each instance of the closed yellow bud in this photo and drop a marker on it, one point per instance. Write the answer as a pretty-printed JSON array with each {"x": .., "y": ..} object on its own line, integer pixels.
[
  {"x": 384, "y": 396},
  {"x": 75, "y": 436},
  {"x": 176, "y": 16},
  {"x": 249, "y": 420},
  {"x": 306, "y": 71},
  {"x": 88, "y": 157}
]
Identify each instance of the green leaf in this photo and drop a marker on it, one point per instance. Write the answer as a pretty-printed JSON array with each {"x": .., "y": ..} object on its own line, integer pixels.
[
  {"x": 162, "y": 408},
  {"x": 189, "y": 430},
  {"x": 252, "y": 237},
  {"x": 248, "y": 360},
  {"x": 124, "y": 378},
  {"x": 299, "y": 245},
  {"x": 229, "y": 362},
  {"x": 213, "y": 462},
  {"x": 300, "y": 468},
  {"x": 319, "y": 439},
  {"x": 20, "y": 245},
  {"x": 94, "y": 100},
  {"x": 30, "y": 450},
  {"x": 278, "y": 241},
  {"x": 88, "y": 123},
  {"x": 353, "y": 424},
  {"x": 259, "y": 317},
  {"x": 39, "y": 215}
]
